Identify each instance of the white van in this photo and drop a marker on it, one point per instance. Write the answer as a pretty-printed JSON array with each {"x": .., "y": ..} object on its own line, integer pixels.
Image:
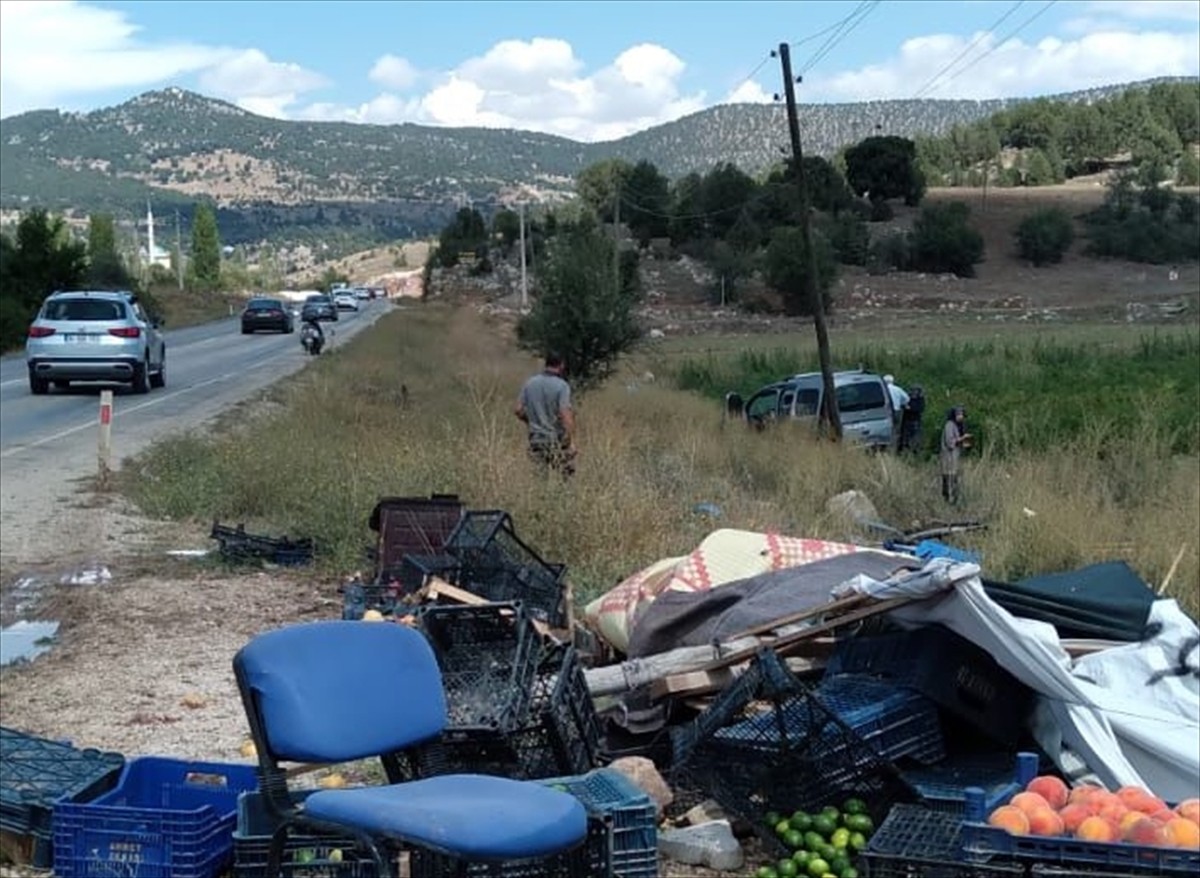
[{"x": 863, "y": 401}]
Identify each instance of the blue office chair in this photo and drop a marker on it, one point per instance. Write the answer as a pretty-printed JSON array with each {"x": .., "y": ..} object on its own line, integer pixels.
[{"x": 337, "y": 691}]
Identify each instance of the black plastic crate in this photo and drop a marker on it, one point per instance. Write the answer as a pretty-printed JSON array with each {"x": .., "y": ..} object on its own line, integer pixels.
[
  {"x": 416, "y": 569},
  {"x": 239, "y": 547},
  {"x": 35, "y": 773},
  {"x": 499, "y": 566},
  {"x": 560, "y": 737},
  {"x": 943, "y": 787},
  {"x": 578, "y": 863},
  {"x": 915, "y": 842},
  {"x": 488, "y": 656},
  {"x": 412, "y": 526},
  {"x": 325, "y": 855},
  {"x": 791, "y": 765},
  {"x": 949, "y": 669}
]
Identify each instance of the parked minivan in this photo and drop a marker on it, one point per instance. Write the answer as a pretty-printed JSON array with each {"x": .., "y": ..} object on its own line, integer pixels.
[{"x": 863, "y": 401}]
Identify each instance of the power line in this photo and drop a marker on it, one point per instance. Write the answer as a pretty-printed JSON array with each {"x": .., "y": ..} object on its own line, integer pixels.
[
  {"x": 1008, "y": 36},
  {"x": 991, "y": 28},
  {"x": 853, "y": 20}
]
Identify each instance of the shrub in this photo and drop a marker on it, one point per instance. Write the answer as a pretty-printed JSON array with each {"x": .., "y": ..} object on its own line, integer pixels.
[
  {"x": 850, "y": 238},
  {"x": 943, "y": 241},
  {"x": 1045, "y": 235},
  {"x": 881, "y": 212},
  {"x": 890, "y": 253}
]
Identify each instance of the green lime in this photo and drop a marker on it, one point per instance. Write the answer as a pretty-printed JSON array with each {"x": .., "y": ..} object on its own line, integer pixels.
[
  {"x": 801, "y": 858},
  {"x": 824, "y": 825},
  {"x": 793, "y": 839},
  {"x": 772, "y": 818},
  {"x": 813, "y": 840},
  {"x": 850, "y": 872},
  {"x": 817, "y": 867},
  {"x": 801, "y": 820},
  {"x": 830, "y": 811},
  {"x": 839, "y": 864},
  {"x": 766, "y": 872},
  {"x": 858, "y": 842},
  {"x": 860, "y": 823},
  {"x": 855, "y": 806},
  {"x": 840, "y": 838},
  {"x": 782, "y": 828},
  {"x": 787, "y": 869}
]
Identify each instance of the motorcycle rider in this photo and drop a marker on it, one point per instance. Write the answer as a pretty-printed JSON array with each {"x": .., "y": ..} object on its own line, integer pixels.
[{"x": 312, "y": 337}]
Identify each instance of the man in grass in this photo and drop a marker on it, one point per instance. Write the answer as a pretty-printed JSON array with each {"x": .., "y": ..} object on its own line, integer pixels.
[
  {"x": 954, "y": 439},
  {"x": 545, "y": 406}
]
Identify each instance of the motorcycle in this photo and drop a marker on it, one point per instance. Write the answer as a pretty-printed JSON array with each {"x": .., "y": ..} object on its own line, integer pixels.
[{"x": 312, "y": 339}]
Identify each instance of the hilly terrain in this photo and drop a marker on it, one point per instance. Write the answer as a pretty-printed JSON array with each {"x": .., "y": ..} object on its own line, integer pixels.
[{"x": 171, "y": 147}]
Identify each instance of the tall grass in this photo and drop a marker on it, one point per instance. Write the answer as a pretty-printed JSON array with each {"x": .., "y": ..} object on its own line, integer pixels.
[{"x": 316, "y": 464}]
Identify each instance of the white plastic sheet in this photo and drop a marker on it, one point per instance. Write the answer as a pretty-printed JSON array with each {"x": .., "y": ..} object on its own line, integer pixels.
[{"x": 1103, "y": 707}]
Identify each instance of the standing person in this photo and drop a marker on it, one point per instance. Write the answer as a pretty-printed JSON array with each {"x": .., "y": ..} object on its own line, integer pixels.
[
  {"x": 545, "y": 406},
  {"x": 899, "y": 398},
  {"x": 910, "y": 420},
  {"x": 954, "y": 439}
]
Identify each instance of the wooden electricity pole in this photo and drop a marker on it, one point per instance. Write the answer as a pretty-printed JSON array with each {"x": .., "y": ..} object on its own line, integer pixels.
[
  {"x": 830, "y": 418},
  {"x": 524, "y": 273}
]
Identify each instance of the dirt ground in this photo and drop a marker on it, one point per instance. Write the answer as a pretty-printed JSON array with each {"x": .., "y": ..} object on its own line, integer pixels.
[{"x": 141, "y": 664}]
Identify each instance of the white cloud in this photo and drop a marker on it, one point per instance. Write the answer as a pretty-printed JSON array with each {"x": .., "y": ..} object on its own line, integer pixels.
[
  {"x": 256, "y": 83},
  {"x": 538, "y": 85},
  {"x": 394, "y": 72},
  {"x": 1160, "y": 10},
  {"x": 749, "y": 92},
  {"x": 52, "y": 52},
  {"x": 1015, "y": 68}
]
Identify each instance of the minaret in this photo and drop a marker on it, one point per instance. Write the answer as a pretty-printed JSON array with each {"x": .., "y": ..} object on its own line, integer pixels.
[{"x": 149, "y": 235}]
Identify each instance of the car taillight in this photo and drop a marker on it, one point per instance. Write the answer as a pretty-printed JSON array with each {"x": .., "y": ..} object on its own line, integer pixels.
[
  {"x": 126, "y": 331},
  {"x": 40, "y": 331}
]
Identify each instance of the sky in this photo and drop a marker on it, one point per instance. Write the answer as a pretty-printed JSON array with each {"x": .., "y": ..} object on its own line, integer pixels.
[{"x": 588, "y": 71}]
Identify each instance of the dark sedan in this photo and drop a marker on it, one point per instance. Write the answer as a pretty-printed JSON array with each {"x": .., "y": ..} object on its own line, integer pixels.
[
  {"x": 319, "y": 307},
  {"x": 266, "y": 314}
]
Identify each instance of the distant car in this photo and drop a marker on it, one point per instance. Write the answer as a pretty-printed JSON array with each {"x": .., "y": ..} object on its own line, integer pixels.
[
  {"x": 345, "y": 300},
  {"x": 362, "y": 293},
  {"x": 94, "y": 336},
  {"x": 264, "y": 313},
  {"x": 319, "y": 307}
]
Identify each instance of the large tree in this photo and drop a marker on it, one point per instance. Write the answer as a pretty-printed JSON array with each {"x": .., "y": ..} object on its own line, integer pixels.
[
  {"x": 106, "y": 271},
  {"x": 785, "y": 268},
  {"x": 646, "y": 202},
  {"x": 598, "y": 185},
  {"x": 883, "y": 168},
  {"x": 583, "y": 308},
  {"x": 204, "y": 266},
  {"x": 42, "y": 259}
]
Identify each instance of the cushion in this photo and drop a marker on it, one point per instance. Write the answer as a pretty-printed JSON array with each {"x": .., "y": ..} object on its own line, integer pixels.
[
  {"x": 475, "y": 817},
  {"x": 339, "y": 691}
]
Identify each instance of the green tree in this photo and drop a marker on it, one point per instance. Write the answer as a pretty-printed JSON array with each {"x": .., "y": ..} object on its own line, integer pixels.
[
  {"x": 1038, "y": 171},
  {"x": 204, "y": 263},
  {"x": 1045, "y": 235},
  {"x": 725, "y": 193},
  {"x": 599, "y": 183},
  {"x": 1187, "y": 172},
  {"x": 943, "y": 240},
  {"x": 466, "y": 233},
  {"x": 106, "y": 271},
  {"x": 646, "y": 203},
  {"x": 883, "y": 168},
  {"x": 581, "y": 310},
  {"x": 506, "y": 226},
  {"x": 785, "y": 268},
  {"x": 42, "y": 259}
]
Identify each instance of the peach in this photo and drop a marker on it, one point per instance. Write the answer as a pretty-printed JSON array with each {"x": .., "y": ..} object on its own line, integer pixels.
[
  {"x": 1045, "y": 821},
  {"x": 1151, "y": 805},
  {"x": 1096, "y": 829},
  {"x": 1145, "y": 832},
  {"x": 1182, "y": 833},
  {"x": 1129, "y": 795},
  {"x": 1050, "y": 788},
  {"x": 1102, "y": 799},
  {"x": 1073, "y": 815},
  {"x": 1163, "y": 817},
  {"x": 1011, "y": 819},
  {"x": 1189, "y": 809},
  {"x": 1082, "y": 794},
  {"x": 1028, "y": 802},
  {"x": 1128, "y": 819},
  {"x": 1112, "y": 811}
]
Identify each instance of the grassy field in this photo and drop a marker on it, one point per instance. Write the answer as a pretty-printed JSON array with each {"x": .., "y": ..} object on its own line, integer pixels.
[{"x": 650, "y": 453}]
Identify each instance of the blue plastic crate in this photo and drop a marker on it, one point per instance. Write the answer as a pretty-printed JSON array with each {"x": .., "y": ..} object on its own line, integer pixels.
[
  {"x": 983, "y": 843},
  {"x": 943, "y": 787},
  {"x": 166, "y": 818},
  {"x": 35, "y": 773},
  {"x": 894, "y": 721},
  {"x": 915, "y": 842},
  {"x": 631, "y": 815},
  {"x": 947, "y": 668},
  {"x": 305, "y": 855}
]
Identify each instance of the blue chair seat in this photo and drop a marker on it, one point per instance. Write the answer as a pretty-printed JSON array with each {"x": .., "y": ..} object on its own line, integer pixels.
[{"x": 475, "y": 817}]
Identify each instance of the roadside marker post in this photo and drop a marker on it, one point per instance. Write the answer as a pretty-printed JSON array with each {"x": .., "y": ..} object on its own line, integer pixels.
[{"x": 104, "y": 447}]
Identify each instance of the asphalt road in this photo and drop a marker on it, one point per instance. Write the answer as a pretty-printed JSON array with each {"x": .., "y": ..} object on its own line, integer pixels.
[{"x": 209, "y": 367}]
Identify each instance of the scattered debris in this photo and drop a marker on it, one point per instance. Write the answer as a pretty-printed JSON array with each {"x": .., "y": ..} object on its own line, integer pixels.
[
  {"x": 645, "y": 775},
  {"x": 239, "y": 547},
  {"x": 25, "y": 641},
  {"x": 709, "y": 844}
]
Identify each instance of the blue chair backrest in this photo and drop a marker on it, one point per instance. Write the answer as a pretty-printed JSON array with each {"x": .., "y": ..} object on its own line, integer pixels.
[{"x": 338, "y": 691}]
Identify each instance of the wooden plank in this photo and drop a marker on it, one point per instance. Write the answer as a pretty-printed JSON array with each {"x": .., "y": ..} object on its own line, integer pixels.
[
  {"x": 838, "y": 606},
  {"x": 437, "y": 587}
]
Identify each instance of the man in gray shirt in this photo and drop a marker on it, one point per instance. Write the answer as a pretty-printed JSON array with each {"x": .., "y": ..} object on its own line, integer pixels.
[{"x": 545, "y": 406}]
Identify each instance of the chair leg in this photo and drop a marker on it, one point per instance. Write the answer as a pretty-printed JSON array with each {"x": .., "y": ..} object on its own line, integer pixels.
[
  {"x": 366, "y": 840},
  {"x": 275, "y": 854}
]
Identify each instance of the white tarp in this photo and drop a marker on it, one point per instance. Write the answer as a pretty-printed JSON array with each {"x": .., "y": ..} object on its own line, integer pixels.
[{"x": 1103, "y": 707}]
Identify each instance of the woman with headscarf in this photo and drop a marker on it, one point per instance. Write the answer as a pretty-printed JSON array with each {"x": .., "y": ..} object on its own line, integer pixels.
[{"x": 954, "y": 439}]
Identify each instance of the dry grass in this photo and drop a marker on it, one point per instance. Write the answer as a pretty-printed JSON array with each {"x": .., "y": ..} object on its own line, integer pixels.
[{"x": 649, "y": 455}]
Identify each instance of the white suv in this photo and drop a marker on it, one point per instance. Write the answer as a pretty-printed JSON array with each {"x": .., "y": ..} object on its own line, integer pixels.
[{"x": 94, "y": 336}]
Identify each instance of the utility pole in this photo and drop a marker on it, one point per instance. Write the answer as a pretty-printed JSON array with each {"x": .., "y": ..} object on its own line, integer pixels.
[
  {"x": 617, "y": 232},
  {"x": 830, "y": 417},
  {"x": 524, "y": 277},
  {"x": 178, "y": 253}
]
